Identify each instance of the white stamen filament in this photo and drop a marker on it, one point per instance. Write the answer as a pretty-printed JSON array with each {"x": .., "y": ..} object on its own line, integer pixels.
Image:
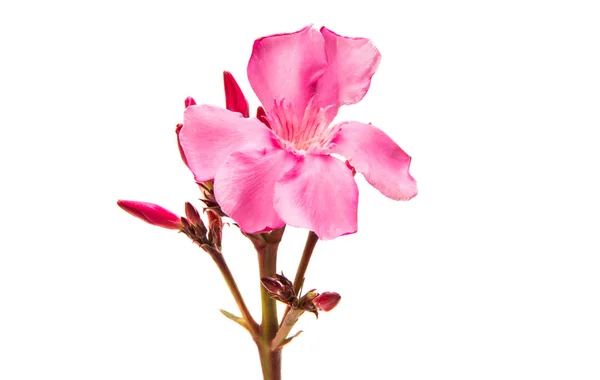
[{"x": 312, "y": 135}]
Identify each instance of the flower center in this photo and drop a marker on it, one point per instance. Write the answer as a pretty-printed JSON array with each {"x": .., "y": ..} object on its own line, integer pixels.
[{"x": 311, "y": 135}]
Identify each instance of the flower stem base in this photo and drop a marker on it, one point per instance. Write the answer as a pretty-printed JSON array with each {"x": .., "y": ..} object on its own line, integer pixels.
[{"x": 270, "y": 361}]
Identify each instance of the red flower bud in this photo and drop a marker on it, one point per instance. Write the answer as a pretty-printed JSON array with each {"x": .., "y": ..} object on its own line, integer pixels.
[
  {"x": 326, "y": 301},
  {"x": 234, "y": 97},
  {"x": 262, "y": 116},
  {"x": 273, "y": 286},
  {"x": 192, "y": 214},
  {"x": 151, "y": 213},
  {"x": 189, "y": 101},
  {"x": 280, "y": 288}
]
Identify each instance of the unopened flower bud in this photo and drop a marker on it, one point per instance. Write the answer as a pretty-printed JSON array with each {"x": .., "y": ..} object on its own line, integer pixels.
[
  {"x": 185, "y": 224},
  {"x": 192, "y": 214},
  {"x": 326, "y": 301},
  {"x": 273, "y": 286},
  {"x": 189, "y": 101},
  {"x": 234, "y": 97},
  {"x": 151, "y": 213},
  {"x": 284, "y": 280},
  {"x": 280, "y": 288},
  {"x": 194, "y": 226}
]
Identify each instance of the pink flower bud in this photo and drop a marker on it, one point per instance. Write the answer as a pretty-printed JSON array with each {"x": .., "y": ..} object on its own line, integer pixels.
[
  {"x": 326, "y": 301},
  {"x": 234, "y": 97},
  {"x": 151, "y": 213}
]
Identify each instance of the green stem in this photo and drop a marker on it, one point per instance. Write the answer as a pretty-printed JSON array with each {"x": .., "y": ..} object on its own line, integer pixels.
[
  {"x": 218, "y": 258},
  {"x": 267, "y": 264},
  {"x": 309, "y": 247},
  {"x": 270, "y": 361}
]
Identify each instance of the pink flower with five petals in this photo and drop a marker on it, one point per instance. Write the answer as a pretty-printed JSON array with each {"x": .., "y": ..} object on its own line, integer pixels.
[{"x": 284, "y": 173}]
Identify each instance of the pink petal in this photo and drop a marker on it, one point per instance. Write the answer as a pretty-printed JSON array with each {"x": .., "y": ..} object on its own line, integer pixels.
[
  {"x": 234, "y": 97},
  {"x": 318, "y": 193},
  {"x": 286, "y": 67},
  {"x": 374, "y": 154},
  {"x": 245, "y": 184},
  {"x": 151, "y": 213},
  {"x": 351, "y": 62},
  {"x": 210, "y": 134}
]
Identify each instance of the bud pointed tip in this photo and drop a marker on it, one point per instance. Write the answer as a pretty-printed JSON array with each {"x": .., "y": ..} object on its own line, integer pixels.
[
  {"x": 234, "y": 97},
  {"x": 189, "y": 101}
]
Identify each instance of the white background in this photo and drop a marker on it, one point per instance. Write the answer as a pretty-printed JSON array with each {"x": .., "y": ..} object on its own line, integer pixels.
[{"x": 491, "y": 272}]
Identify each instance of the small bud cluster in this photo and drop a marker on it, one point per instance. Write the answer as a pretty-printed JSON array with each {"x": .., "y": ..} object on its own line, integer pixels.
[
  {"x": 281, "y": 289},
  {"x": 195, "y": 229}
]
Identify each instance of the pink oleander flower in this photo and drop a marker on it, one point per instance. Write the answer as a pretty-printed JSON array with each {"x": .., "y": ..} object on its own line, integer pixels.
[
  {"x": 152, "y": 213},
  {"x": 282, "y": 171}
]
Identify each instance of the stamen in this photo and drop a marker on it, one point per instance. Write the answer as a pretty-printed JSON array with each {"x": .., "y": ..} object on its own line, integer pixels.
[{"x": 312, "y": 135}]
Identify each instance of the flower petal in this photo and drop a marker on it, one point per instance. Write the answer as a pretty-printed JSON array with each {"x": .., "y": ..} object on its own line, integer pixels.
[
  {"x": 318, "y": 193},
  {"x": 210, "y": 134},
  {"x": 351, "y": 62},
  {"x": 374, "y": 154},
  {"x": 245, "y": 184},
  {"x": 286, "y": 67}
]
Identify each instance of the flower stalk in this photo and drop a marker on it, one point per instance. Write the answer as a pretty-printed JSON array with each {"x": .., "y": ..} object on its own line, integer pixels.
[
  {"x": 266, "y": 247},
  {"x": 309, "y": 247},
  {"x": 217, "y": 256}
]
